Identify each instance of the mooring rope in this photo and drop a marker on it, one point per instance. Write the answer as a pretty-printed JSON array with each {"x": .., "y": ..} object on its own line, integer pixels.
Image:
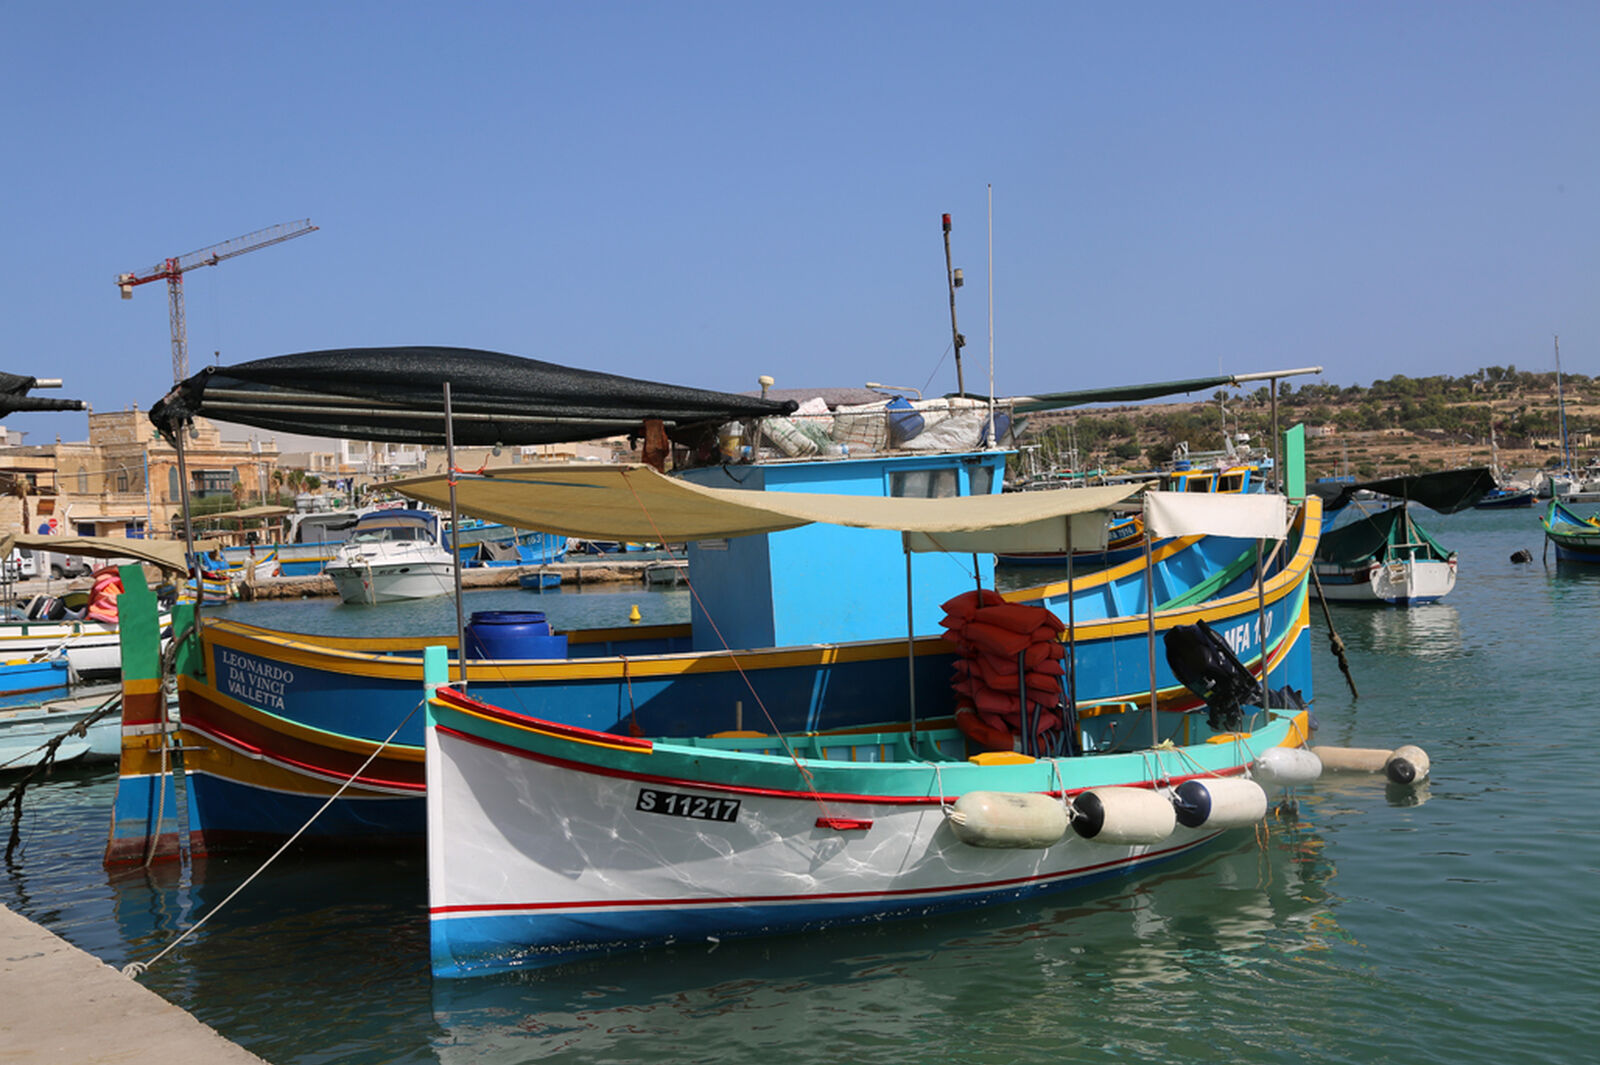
[
  {"x": 134, "y": 969},
  {"x": 169, "y": 668}
]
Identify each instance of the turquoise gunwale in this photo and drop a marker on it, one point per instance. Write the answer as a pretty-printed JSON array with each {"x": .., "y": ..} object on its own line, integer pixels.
[{"x": 733, "y": 766}]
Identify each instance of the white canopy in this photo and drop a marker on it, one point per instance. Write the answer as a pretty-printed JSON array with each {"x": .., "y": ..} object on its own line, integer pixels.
[
  {"x": 637, "y": 503},
  {"x": 1259, "y": 516}
]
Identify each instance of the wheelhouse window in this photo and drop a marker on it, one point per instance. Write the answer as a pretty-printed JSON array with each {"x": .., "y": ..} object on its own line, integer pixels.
[{"x": 925, "y": 484}]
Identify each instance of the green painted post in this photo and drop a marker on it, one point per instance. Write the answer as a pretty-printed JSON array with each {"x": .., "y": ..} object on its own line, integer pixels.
[
  {"x": 146, "y": 798},
  {"x": 435, "y": 668},
  {"x": 1294, "y": 462},
  {"x": 189, "y": 661}
]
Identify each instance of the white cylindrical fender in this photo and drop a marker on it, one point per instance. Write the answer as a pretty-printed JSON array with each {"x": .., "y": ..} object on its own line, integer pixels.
[
  {"x": 1286, "y": 767},
  {"x": 1122, "y": 816},
  {"x": 1352, "y": 759},
  {"x": 1219, "y": 802},
  {"x": 1008, "y": 819},
  {"x": 1407, "y": 765}
]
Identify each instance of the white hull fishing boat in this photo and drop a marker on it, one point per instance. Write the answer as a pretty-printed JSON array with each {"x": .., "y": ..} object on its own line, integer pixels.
[
  {"x": 547, "y": 840},
  {"x": 392, "y": 555},
  {"x": 1385, "y": 556},
  {"x": 1401, "y": 582}
]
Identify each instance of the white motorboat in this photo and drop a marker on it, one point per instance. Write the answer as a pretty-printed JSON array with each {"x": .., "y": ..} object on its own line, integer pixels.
[{"x": 392, "y": 555}]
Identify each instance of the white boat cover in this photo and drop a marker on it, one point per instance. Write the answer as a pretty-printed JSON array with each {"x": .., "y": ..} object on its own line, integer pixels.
[
  {"x": 629, "y": 502},
  {"x": 1260, "y": 516}
]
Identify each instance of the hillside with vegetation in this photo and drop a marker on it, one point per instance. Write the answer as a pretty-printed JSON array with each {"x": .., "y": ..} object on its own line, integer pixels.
[{"x": 1399, "y": 425}]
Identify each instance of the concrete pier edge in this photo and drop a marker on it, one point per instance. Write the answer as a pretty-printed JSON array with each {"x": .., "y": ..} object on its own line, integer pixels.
[{"x": 62, "y": 1004}]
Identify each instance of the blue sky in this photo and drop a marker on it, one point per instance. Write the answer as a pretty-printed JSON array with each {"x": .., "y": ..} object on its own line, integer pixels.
[{"x": 702, "y": 192}]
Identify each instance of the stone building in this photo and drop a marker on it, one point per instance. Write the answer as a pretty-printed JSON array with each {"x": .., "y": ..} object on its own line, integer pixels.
[{"x": 124, "y": 480}]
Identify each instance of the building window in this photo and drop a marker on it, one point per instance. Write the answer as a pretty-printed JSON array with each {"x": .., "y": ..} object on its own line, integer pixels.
[
  {"x": 174, "y": 490},
  {"x": 83, "y": 481},
  {"x": 209, "y": 481},
  {"x": 122, "y": 480}
]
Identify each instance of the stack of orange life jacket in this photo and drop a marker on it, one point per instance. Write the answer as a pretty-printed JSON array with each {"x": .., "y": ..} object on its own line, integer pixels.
[{"x": 1009, "y": 669}]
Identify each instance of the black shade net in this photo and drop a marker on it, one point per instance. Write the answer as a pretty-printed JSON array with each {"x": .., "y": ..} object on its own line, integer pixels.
[
  {"x": 397, "y": 394},
  {"x": 14, "y": 396}
]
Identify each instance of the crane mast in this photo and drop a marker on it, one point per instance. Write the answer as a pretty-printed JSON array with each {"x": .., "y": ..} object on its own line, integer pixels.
[{"x": 172, "y": 270}]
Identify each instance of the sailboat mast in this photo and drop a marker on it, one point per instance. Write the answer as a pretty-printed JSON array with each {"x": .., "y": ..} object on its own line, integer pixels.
[
  {"x": 455, "y": 534},
  {"x": 1561, "y": 406},
  {"x": 993, "y": 442}
]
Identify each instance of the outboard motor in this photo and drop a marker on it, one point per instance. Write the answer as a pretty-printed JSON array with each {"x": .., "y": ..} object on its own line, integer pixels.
[
  {"x": 1207, "y": 666},
  {"x": 45, "y": 608}
]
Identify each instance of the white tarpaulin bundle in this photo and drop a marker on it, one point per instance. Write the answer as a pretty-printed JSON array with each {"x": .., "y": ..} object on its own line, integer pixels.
[
  {"x": 638, "y": 503},
  {"x": 1255, "y": 516}
]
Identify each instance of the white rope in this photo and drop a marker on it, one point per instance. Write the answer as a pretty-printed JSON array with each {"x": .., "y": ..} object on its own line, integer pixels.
[
  {"x": 133, "y": 969},
  {"x": 1061, "y": 787},
  {"x": 938, "y": 782}
]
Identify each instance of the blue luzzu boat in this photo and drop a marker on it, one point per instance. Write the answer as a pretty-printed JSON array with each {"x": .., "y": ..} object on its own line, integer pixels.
[
  {"x": 1575, "y": 537},
  {"x": 794, "y": 630}
]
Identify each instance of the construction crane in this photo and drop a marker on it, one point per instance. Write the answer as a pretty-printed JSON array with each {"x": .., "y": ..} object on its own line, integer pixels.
[{"x": 172, "y": 271}]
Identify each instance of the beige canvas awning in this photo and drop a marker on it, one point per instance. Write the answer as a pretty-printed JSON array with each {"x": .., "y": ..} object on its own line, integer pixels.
[
  {"x": 245, "y": 514},
  {"x": 167, "y": 554},
  {"x": 637, "y": 503}
]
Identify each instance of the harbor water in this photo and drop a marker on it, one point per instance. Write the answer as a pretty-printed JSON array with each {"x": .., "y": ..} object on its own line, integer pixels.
[{"x": 1457, "y": 923}]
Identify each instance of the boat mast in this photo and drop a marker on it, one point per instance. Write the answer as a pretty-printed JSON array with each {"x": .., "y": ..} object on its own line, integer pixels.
[
  {"x": 953, "y": 279},
  {"x": 993, "y": 443},
  {"x": 1494, "y": 448},
  {"x": 1561, "y": 406},
  {"x": 455, "y": 534}
]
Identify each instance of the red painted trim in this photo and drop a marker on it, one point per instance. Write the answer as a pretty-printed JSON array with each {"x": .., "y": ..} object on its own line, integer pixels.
[
  {"x": 321, "y": 772},
  {"x": 143, "y": 708},
  {"x": 783, "y": 793},
  {"x": 217, "y": 723},
  {"x": 462, "y": 701},
  {"x": 43, "y": 688},
  {"x": 845, "y": 824},
  {"x": 738, "y": 900}
]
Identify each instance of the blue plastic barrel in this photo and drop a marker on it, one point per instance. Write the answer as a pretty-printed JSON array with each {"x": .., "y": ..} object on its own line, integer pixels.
[
  {"x": 904, "y": 421},
  {"x": 512, "y": 634},
  {"x": 1002, "y": 425}
]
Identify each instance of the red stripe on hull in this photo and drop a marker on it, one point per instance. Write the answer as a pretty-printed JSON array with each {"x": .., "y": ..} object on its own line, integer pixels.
[
  {"x": 223, "y": 725},
  {"x": 462, "y": 701},
  {"x": 143, "y": 708}
]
